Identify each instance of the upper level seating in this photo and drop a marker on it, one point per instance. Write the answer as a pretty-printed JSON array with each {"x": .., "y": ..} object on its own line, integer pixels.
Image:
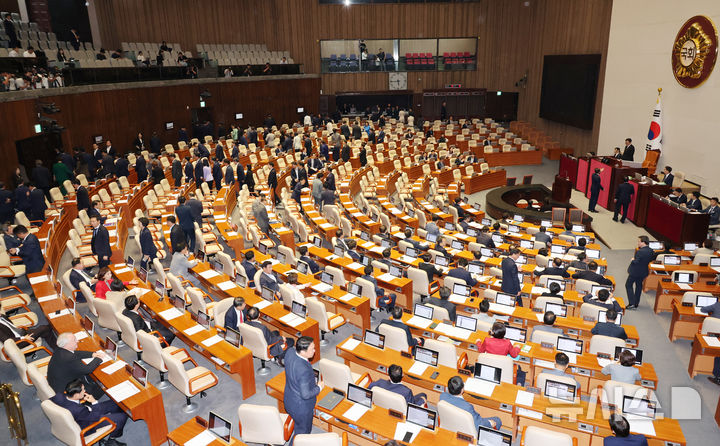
[
  {"x": 151, "y": 50},
  {"x": 242, "y": 54}
]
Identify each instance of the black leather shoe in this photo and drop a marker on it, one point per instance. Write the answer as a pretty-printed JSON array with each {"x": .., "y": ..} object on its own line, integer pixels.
[
  {"x": 714, "y": 380},
  {"x": 113, "y": 442},
  {"x": 615, "y": 219}
]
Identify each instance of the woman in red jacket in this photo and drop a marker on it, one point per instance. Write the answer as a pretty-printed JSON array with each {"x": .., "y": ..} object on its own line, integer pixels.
[
  {"x": 497, "y": 344},
  {"x": 104, "y": 278}
]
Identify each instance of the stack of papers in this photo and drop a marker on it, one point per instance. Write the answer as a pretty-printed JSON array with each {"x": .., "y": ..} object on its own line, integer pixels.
[
  {"x": 418, "y": 368},
  {"x": 641, "y": 426},
  {"x": 47, "y": 298},
  {"x": 350, "y": 344},
  {"x": 407, "y": 259},
  {"x": 209, "y": 274},
  {"x": 262, "y": 304},
  {"x": 401, "y": 429},
  {"x": 480, "y": 386},
  {"x": 604, "y": 362},
  {"x": 170, "y": 313},
  {"x": 419, "y": 322},
  {"x": 322, "y": 287},
  {"x": 346, "y": 297},
  {"x": 539, "y": 290},
  {"x": 211, "y": 341},
  {"x": 543, "y": 363},
  {"x": 712, "y": 341},
  {"x": 122, "y": 270},
  {"x": 355, "y": 412},
  {"x": 114, "y": 367},
  {"x": 38, "y": 279},
  {"x": 197, "y": 328},
  {"x": 457, "y": 298},
  {"x": 684, "y": 286},
  {"x": 292, "y": 320},
  {"x": 503, "y": 309},
  {"x": 204, "y": 438},
  {"x": 355, "y": 265},
  {"x": 227, "y": 285},
  {"x": 80, "y": 335},
  {"x": 122, "y": 391},
  {"x": 326, "y": 225},
  {"x": 524, "y": 398},
  {"x": 387, "y": 277}
]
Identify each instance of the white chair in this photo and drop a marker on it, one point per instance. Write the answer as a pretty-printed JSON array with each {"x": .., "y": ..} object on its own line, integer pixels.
[
  {"x": 710, "y": 325},
  {"x": 17, "y": 357},
  {"x": 541, "y": 378},
  {"x": 447, "y": 353},
  {"x": 328, "y": 439},
  {"x": 505, "y": 363},
  {"x": 327, "y": 321},
  {"x": 189, "y": 382},
  {"x": 264, "y": 424},
  {"x": 254, "y": 340},
  {"x": 422, "y": 287},
  {"x": 64, "y": 427},
  {"x": 590, "y": 312},
  {"x": 39, "y": 380},
  {"x": 583, "y": 286},
  {"x": 604, "y": 344},
  {"x": 542, "y": 336},
  {"x": 152, "y": 355},
  {"x": 128, "y": 334},
  {"x": 338, "y": 276},
  {"x": 395, "y": 337},
  {"x": 219, "y": 311},
  {"x": 107, "y": 317},
  {"x": 227, "y": 264},
  {"x": 389, "y": 400},
  {"x": 542, "y": 300},
  {"x": 537, "y": 436},
  {"x": 455, "y": 419},
  {"x": 612, "y": 392}
]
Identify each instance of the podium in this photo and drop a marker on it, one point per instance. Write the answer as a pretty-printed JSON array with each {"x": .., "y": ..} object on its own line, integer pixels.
[
  {"x": 667, "y": 221},
  {"x": 561, "y": 189},
  {"x": 643, "y": 193}
]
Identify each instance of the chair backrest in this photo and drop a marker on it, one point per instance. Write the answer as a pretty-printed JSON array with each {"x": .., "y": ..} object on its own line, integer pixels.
[
  {"x": 540, "y": 336},
  {"x": 335, "y": 374},
  {"x": 710, "y": 325},
  {"x": 395, "y": 337},
  {"x": 447, "y": 354},
  {"x": 289, "y": 254},
  {"x": 106, "y": 315},
  {"x": 177, "y": 375},
  {"x": 254, "y": 340},
  {"x": 227, "y": 264},
  {"x": 260, "y": 424},
  {"x": 389, "y": 400},
  {"x": 583, "y": 286},
  {"x": 18, "y": 359},
  {"x": 702, "y": 258},
  {"x": 588, "y": 311},
  {"x": 439, "y": 312},
  {"x": 220, "y": 309},
  {"x": 159, "y": 270},
  {"x": 176, "y": 288},
  {"x": 152, "y": 350},
  {"x": 338, "y": 276},
  {"x": 455, "y": 419},
  {"x": 42, "y": 387},
  {"x": 197, "y": 301},
  {"x": 316, "y": 310},
  {"x": 62, "y": 424},
  {"x": 542, "y": 300},
  {"x": 505, "y": 363},
  {"x": 544, "y": 279},
  {"x": 691, "y": 296},
  {"x": 128, "y": 333},
  {"x": 613, "y": 392},
  {"x": 604, "y": 344},
  {"x": 537, "y": 436},
  {"x": 541, "y": 378}
]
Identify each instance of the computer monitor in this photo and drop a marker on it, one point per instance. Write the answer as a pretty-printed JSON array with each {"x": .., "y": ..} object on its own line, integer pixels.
[
  {"x": 638, "y": 406},
  {"x": 515, "y": 334},
  {"x": 475, "y": 268},
  {"x": 449, "y": 226},
  {"x": 267, "y": 294},
  {"x": 317, "y": 241},
  {"x": 570, "y": 345},
  {"x": 130, "y": 262},
  {"x": 578, "y": 228},
  {"x": 441, "y": 261},
  {"x": 355, "y": 289},
  {"x": 472, "y": 232},
  {"x": 505, "y": 299},
  {"x": 465, "y": 322},
  {"x": 203, "y": 319},
  {"x": 488, "y": 373},
  {"x": 160, "y": 288},
  {"x": 179, "y": 303},
  {"x": 486, "y": 222},
  {"x": 602, "y": 317},
  {"x": 560, "y": 390},
  {"x": 142, "y": 274},
  {"x": 426, "y": 356},
  {"x": 714, "y": 262},
  {"x": 457, "y": 244},
  {"x": 302, "y": 267},
  {"x": 410, "y": 212},
  {"x": 526, "y": 244},
  {"x": 476, "y": 206},
  {"x": 546, "y": 224},
  {"x": 680, "y": 277},
  {"x": 518, "y": 217},
  {"x": 635, "y": 351},
  {"x": 671, "y": 260},
  {"x": 282, "y": 258},
  {"x": 557, "y": 249},
  {"x": 561, "y": 283},
  {"x": 299, "y": 309},
  {"x": 375, "y": 339},
  {"x": 326, "y": 278},
  {"x": 486, "y": 252},
  {"x": 592, "y": 253},
  {"x": 262, "y": 247},
  {"x": 364, "y": 236},
  {"x": 461, "y": 289},
  {"x": 655, "y": 245},
  {"x": 513, "y": 228},
  {"x": 410, "y": 252},
  {"x": 580, "y": 237},
  {"x": 490, "y": 437},
  {"x": 220, "y": 427},
  {"x": 111, "y": 348},
  {"x": 420, "y": 416},
  {"x": 595, "y": 289},
  {"x": 423, "y": 311},
  {"x": 338, "y": 251},
  {"x": 232, "y": 336},
  {"x": 384, "y": 243},
  {"x": 218, "y": 266},
  {"x": 690, "y": 246},
  {"x": 497, "y": 239},
  {"x": 395, "y": 271},
  {"x": 140, "y": 373},
  {"x": 559, "y": 310},
  {"x": 521, "y": 260},
  {"x": 359, "y": 395},
  {"x": 88, "y": 325},
  {"x": 704, "y": 300}
]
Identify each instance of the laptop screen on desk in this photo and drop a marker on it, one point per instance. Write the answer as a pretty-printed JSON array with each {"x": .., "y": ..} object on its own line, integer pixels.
[
  {"x": 690, "y": 246},
  {"x": 515, "y": 334},
  {"x": 142, "y": 274},
  {"x": 232, "y": 336},
  {"x": 526, "y": 244},
  {"x": 364, "y": 236},
  {"x": 475, "y": 268},
  {"x": 326, "y": 278},
  {"x": 457, "y": 244},
  {"x": 488, "y": 373},
  {"x": 704, "y": 300},
  {"x": 671, "y": 260},
  {"x": 410, "y": 252},
  {"x": 111, "y": 348},
  {"x": 592, "y": 253},
  {"x": 635, "y": 351},
  {"x": 299, "y": 309},
  {"x": 546, "y": 224},
  {"x": 88, "y": 325},
  {"x": 130, "y": 262},
  {"x": 302, "y": 267},
  {"x": 518, "y": 217},
  {"x": 359, "y": 395},
  {"x": 441, "y": 261},
  {"x": 497, "y": 239},
  {"x": 486, "y": 222},
  {"x": 160, "y": 288},
  {"x": 462, "y": 290},
  {"x": 679, "y": 277},
  {"x": 423, "y": 311},
  {"x": 486, "y": 252},
  {"x": 317, "y": 241},
  {"x": 179, "y": 303},
  {"x": 431, "y": 237},
  {"x": 561, "y": 283},
  {"x": 338, "y": 251},
  {"x": 354, "y": 288},
  {"x": 559, "y": 310},
  {"x": 557, "y": 389},
  {"x": 513, "y": 228},
  {"x": 426, "y": 356},
  {"x": 395, "y": 271},
  {"x": 267, "y": 294},
  {"x": 570, "y": 345},
  {"x": 638, "y": 406},
  {"x": 715, "y": 262},
  {"x": 282, "y": 258},
  {"x": 468, "y": 323},
  {"x": 422, "y": 417},
  {"x": 491, "y": 437},
  {"x": 449, "y": 226},
  {"x": 204, "y": 320},
  {"x": 219, "y": 427},
  {"x": 139, "y": 373},
  {"x": 375, "y": 339},
  {"x": 602, "y": 317},
  {"x": 505, "y": 299},
  {"x": 557, "y": 249},
  {"x": 385, "y": 243},
  {"x": 472, "y": 232},
  {"x": 655, "y": 245}
]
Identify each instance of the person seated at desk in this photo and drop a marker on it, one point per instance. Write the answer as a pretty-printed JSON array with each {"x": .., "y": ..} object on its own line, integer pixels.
[
  {"x": 548, "y": 324},
  {"x": 387, "y": 302},
  {"x": 667, "y": 249},
  {"x": 396, "y": 321},
  {"x": 180, "y": 264},
  {"x": 482, "y": 315},
  {"x": 250, "y": 267},
  {"x": 623, "y": 370},
  {"x": 387, "y": 257},
  {"x": 457, "y": 204},
  {"x": 104, "y": 280},
  {"x": 484, "y": 237},
  {"x": 86, "y": 411},
  {"x": 461, "y": 272},
  {"x": 677, "y": 196},
  {"x": 66, "y": 364},
  {"x": 465, "y": 222},
  {"x": 78, "y": 276},
  {"x": 24, "y": 336},
  {"x": 706, "y": 248},
  {"x": 440, "y": 246},
  {"x": 131, "y": 311},
  {"x": 415, "y": 244},
  {"x": 568, "y": 230},
  {"x": 542, "y": 236},
  {"x": 29, "y": 250},
  {"x": 554, "y": 290},
  {"x": 454, "y": 396},
  {"x": 278, "y": 344},
  {"x": 603, "y": 300},
  {"x": 609, "y": 328},
  {"x": 432, "y": 227},
  {"x": 295, "y": 287},
  {"x": 443, "y": 302},
  {"x": 555, "y": 270},
  {"x": 352, "y": 244},
  {"x": 394, "y": 384},
  {"x": 561, "y": 364},
  {"x": 592, "y": 275},
  {"x": 428, "y": 267},
  {"x": 580, "y": 245},
  {"x": 693, "y": 202},
  {"x": 303, "y": 251},
  {"x": 496, "y": 342},
  {"x": 340, "y": 240},
  {"x": 622, "y": 436},
  {"x": 383, "y": 234},
  {"x": 496, "y": 229},
  {"x": 268, "y": 278},
  {"x": 714, "y": 211},
  {"x": 237, "y": 314}
]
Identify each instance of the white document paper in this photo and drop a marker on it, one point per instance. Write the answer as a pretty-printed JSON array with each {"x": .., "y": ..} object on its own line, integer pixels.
[
  {"x": 350, "y": 344},
  {"x": 402, "y": 428},
  {"x": 418, "y": 368},
  {"x": 377, "y": 249},
  {"x": 262, "y": 304},
  {"x": 227, "y": 285},
  {"x": 209, "y": 274},
  {"x": 290, "y": 319},
  {"x": 642, "y": 426},
  {"x": 47, "y": 298},
  {"x": 540, "y": 317},
  {"x": 387, "y": 277},
  {"x": 231, "y": 234},
  {"x": 114, "y": 367},
  {"x": 322, "y": 287},
  {"x": 55, "y": 314},
  {"x": 699, "y": 311},
  {"x": 502, "y": 309},
  {"x": 326, "y": 225},
  {"x": 480, "y": 386},
  {"x": 543, "y": 363},
  {"x": 197, "y": 328},
  {"x": 204, "y": 438},
  {"x": 346, "y": 297},
  {"x": 355, "y": 265},
  {"x": 524, "y": 398},
  {"x": 419, "y": 322},
  {"x": 122, "y": 391},
  {"x": 80, "y": 335},
  {"x": 684, "y": 286},
  {"x": 529, "y": 413},
  {"x": 457, "y": 299},
  {"x": 602, "y": 362},
  {"x": 355, "y": 412},
  {"x": 712, "y": 341},
  {"x": 539, "y": 290},
  {"x": 170, "y": 314},
  {"x": 38, "y": 279},
  {"x": 211, "y": 341}
]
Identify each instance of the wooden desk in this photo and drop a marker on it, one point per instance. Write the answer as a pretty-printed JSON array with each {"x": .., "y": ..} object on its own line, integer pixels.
[
  {"x": 645, "y": 192},
  {"x": 146, "y": 405},
  {"x": 478, "y": 182},
  {"x": 669, "y": 292},
  {"x": 677, "y": 225},
  {"x": 685, "y": 323},
  {"x": 190, "y": 429},
  {"x": 702, "y": 357},
  {"x": 659, "y": 271}
]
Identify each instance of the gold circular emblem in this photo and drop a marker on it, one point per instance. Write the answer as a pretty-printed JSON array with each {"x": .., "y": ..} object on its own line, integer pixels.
[{"x": 694, "y": 51}]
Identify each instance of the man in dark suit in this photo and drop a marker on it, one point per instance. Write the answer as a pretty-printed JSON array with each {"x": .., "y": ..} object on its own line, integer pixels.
[
  {"x": 677, "y": 196},
  {"x": 694, "y": 201},
  {"x": 147, "y": 245},
  {"x": 37, "y": 204},
  {"x": 141, "y": 168},
  {"x": 81, "y": 193},
  {"x": 330, "y": 180},
  {"x": 29, "y": 250},
  {"x": 301, "y": 390},
  {"x": 714, "y": 211},
  {"x": 66, "y": 364},
  {"x": 457, "y": 204},
  {"x": 428, "y": 267},
  {"x": 122, "y": 166},
  {"x": 461, "y": 272},
  {"x": 394, "y": 384},
  {"x": 177, "y": 235},
  {"x": 510, "y": 281},
  {"x": 229, "y": 174},
  {"x": 603, "y": 300},
  {"x": 623, "y": 195},
  {"x": 629, "y": 151},
  {"x": 7, "y": 208},
  {"x": 250, "y": 267},
  {"x": 10, "y": 31},
  {"x": 217, "y": 174},
  {"x": 592, "y": 275},
  {"x": 622, "y": 436},
  {"x": 273, "y": 182},
  {"x": 132, "y": 312},
  {"x": 669, "y": 177},
  {"x": 188, "y": 170},
  {"x": 86, "y": 410},
  {"x": 23, "y": 336},
  {"x": 314, "y": 165},
  {"x": 109, "y": 149},
  {"x": 41, "y": 177},
  {"x": 396, "y": 321},
  {"x": 176, "y": 170},
  {"x": 443, "y": 302},
  {"x": 237, "y": 314},
  {"x": 484, "y": 237},
  {"x": 268, "y": 278},
  {"x": 22, "y": 199},
  {"x": 609, "y": 328},
  {"x": 100, "y": 242},
  {"x": 78, "y": 276},
  {"x": 595, "y": 188},
  {"x": 278, "y": 344},
  {"x": 186, "y": 222},
  {"x": 345, "y": 153},
  {"x": 345, "y": 130},
  {"x": 303, "y": 251},
  {"x": 555, "y": 270},
  {"x": 196, "y": 208},
  {"x": 638, "y": 271}
]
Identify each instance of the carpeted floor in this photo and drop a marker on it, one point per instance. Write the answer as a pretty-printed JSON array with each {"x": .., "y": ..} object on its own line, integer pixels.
[{"x": 670, "y": 359}]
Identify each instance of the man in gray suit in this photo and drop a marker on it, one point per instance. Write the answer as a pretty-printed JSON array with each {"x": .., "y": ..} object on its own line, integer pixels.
[{"x": 261, "y": 214}]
